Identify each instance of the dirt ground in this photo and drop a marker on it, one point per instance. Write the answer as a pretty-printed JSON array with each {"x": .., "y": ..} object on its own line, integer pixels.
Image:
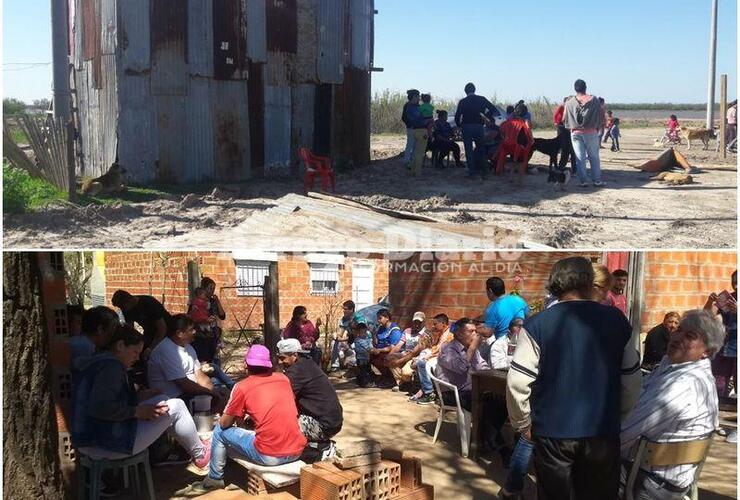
[{"x": 631, "y": 212}]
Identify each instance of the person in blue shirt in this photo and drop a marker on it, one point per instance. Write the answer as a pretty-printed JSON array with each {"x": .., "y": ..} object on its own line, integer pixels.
[
  {"x": 444, "y": 140},
  {"x": 503, "y": 308},
  {"x": 388, "y": 339},
  {"x": 469, "y": 117}
]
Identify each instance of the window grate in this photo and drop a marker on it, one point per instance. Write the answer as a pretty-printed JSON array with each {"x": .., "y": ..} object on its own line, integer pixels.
[
  {"x": 64, "y": 385},
  {"x": 324, "y": 279},
  {"x": 56, "y": 261},
  {"x": 61, "y": 326},
  {"x": 250, "y": 277}
]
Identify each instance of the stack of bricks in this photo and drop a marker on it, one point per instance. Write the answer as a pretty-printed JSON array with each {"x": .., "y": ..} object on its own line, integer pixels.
[{"x": 383, "y": 475}]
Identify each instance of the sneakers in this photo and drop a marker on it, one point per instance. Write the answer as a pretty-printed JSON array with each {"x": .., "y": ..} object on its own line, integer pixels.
[
  {"x": 416, "y": 396},
  {"x": 426, "y": 399},
  {"x": 583, "y": 184},
  {"x": 600, "y": 184},
  {"x": 329, "y": 452},
  {"x": 395, "y": 388},
  {"x": 201, "y": 488},
  {"x": 200, "y": 465},
  {"x": 731, "y": 436}
]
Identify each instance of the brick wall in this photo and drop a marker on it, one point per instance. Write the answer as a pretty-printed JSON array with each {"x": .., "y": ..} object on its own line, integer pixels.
[
  {"x": 144, "y": 273},
  {"x": 455, "y": 283},
  {"x": 679, "y": 281}
]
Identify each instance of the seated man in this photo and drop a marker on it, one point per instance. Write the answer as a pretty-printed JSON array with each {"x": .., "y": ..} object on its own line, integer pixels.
[
  {"x": 386, "y": 340},
  {"x": 502, "y": 350},
  {"x": 319, "y": 411},
  {"x": 443, "y": 142},
  {"x": 678, "y": 402},
  {"x": 343, "y": 338},
  {"x": 267, "y": 398},
  {"x": 457, "y": 359},
  {"x": 174, "y": 368},
  {"x": 656, "y": 342},
  {"x": 400, "y": 362},
  {"x": 440, "y": 336}
]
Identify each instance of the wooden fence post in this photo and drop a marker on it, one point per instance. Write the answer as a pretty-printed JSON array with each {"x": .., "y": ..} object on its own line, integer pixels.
[
  {"x": 271, "y": 304},
  {"x": 722, "y": 139}
]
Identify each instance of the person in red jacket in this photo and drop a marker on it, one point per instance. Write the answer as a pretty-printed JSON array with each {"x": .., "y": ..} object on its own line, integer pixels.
[
  {"x": 301, "y": 328},
  {"x": 566, "y": 146}
]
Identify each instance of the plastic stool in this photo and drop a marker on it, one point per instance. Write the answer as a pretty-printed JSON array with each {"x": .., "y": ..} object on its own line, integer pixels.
[{"x": 95, "y": 467}]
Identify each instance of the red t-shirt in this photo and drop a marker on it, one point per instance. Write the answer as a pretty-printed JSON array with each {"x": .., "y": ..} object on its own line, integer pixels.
[
  {"x": 618, "y": 301},
  {"x": 269, "y": 401},
  {"x": 557, "y": 117}
]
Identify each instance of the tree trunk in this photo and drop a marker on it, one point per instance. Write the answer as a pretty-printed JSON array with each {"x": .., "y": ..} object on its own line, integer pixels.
[{"x": 30, "y": 452}]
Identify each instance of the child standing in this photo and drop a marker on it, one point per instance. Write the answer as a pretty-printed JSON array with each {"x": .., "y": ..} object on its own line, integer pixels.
[
  {"x": 363, "y": 345},
  {"x": 609, "y": 123},
  {"x": 614, "y": 134},
  {"x": 673, "y": 127}
]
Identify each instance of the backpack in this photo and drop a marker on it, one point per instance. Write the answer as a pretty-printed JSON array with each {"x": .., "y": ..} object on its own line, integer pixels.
[{"x": 589, "y": 114}]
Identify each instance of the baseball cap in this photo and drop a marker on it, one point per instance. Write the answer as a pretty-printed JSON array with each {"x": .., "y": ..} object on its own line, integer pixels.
[
  {"x": 290, "y": 346},
  {"x": 258, "y": 355},
  {"x": 359, "y": 319},
  {"x": 419, "y": 316}
]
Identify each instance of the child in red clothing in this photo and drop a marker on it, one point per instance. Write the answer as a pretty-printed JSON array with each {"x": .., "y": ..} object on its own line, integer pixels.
[
  {"x": 673, "y": 128},
  {"x": 199, "y": 311}
]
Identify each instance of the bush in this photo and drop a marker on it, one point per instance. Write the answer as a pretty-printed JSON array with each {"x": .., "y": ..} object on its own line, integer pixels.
[
  {"x": 12, "y": 106},
  {"x": 21, "y": 192},
  {"x": 386, "y": 108}
]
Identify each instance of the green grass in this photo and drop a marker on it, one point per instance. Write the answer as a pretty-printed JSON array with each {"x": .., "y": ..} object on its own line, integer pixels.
[
  {"x": 23, "y": 193},
  {"x": 18, "y": 136}
]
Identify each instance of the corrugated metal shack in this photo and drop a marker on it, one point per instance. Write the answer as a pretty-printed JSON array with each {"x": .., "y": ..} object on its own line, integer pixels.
[{"x": 223, "y": 90}]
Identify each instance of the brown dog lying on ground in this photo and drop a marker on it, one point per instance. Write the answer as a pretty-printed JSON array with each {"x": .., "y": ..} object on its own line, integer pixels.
[
  {"x": 110, "y": 182},
  {"x": 703, "y": 134},
  {"x": 673, "y": 178}
]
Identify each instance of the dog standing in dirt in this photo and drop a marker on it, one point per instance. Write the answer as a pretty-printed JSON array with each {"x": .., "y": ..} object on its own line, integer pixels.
[
  {"x": 703, "y": 134},
  {"x": 110, "y": 182}
]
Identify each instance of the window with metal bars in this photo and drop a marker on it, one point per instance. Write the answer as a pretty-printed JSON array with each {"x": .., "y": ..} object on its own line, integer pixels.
[
  {"x": 250, "y": 277},
  {"x": 56, "y": 261},
  {"x": 61, "y": 326},
  {"x": 324, "y": 279}
]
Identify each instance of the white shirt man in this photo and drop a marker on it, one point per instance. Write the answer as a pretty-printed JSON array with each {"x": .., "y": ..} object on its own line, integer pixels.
[{"x": 169, "y": 362}]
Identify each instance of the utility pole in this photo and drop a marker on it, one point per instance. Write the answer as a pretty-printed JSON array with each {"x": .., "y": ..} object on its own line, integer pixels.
[
  {"x": 60, "y": 56},
  {"x": 712, "y": 66}
]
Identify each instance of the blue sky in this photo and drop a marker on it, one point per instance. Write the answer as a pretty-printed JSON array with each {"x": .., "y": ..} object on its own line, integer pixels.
[{"x": 627, "y": 50}]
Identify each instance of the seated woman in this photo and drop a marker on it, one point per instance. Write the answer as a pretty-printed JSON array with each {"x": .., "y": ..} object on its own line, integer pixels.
[
  {"x": 656, "y": 342},
  {"x": 678, "y": 402},
  {"x": 517, "y": 141},
  {"x": 113, "y": 421},
  {"x": 301, "y": 328}
]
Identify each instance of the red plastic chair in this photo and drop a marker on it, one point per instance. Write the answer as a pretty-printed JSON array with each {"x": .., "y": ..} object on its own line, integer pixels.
[
  {"x": 317, "y": 165},
  {"x": 510, "y": 131}
]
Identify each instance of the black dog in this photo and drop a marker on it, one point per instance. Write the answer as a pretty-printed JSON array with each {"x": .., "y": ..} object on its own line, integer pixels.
[{"x": 548, "y": 147}]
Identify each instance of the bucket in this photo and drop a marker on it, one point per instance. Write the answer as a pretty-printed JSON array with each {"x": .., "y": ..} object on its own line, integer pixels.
[
  {"x": 203, "y": 422},
  {"x": 200, "y": 404}
]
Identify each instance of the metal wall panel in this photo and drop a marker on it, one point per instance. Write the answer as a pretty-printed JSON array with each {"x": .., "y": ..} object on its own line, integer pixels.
[
  {"x": 361, "y": 22},
  {"x": 282, "y": 26},
  {"x": 134, "y": 36},
  {"x": 277, "y": 130},
  {"x": 77, "y": 29},
  {"x": 229, "y": 41},
  {"x": 331, "y": 40},
  {"x": 138, "y": 149},
  {"x": 108, "y": 26},
  {"x": 230, "y": 106},
  {"x": 83, "y": 100},
  {"x": 200, "y": 37},
  {"x": 108, "y": 126},
  {"x": 305, "y": 59},
  {"x": 277, "y": 69},
  {"x": 303, "y": 118},
  {"x": 90, "y": 28},
  {"x": 256, "y": 30},
  {"x": 199, "y": 143},
  {"x": 256, "y": 86},
  {"x": 171, "y": 128},
  {"x": 351, "y": 118},
  {"x": 94, "y": 157},
  {"x": 169, "y": 32}
]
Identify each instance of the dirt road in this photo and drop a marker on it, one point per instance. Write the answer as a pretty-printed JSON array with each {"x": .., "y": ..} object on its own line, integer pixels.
[{"x": 631, "y": 212}]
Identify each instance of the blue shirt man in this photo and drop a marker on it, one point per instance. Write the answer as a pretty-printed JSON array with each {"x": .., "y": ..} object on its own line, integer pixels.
[{"x": 503, "y": 308}]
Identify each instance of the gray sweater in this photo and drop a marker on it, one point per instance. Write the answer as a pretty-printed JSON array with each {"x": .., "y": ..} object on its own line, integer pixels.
[{"x": 587, "y": 116}]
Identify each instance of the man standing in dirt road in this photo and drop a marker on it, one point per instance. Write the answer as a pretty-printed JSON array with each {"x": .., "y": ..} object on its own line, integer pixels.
[{"x": 468, "y": 118}]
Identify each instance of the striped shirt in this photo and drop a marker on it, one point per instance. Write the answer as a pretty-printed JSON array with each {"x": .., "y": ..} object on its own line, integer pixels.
[{"x": 678, "y": 402}]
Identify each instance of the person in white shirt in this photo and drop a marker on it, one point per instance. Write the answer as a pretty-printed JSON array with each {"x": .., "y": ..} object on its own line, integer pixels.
[
  {"x": 502, "y": 350},
  {"x": 678, "y": 402},
  {"x": 173, "y": 366}
]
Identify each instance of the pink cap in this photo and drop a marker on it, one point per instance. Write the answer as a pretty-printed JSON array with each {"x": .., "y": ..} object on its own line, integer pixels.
[{"x": 258, "y": 355}]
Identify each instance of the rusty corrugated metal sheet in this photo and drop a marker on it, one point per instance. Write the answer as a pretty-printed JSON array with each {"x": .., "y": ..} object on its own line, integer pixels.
[
  {"x": 171, "y": 128},
  {"x": 77, "y": 29},
  {"x": 230, "y": 43},
  {"x": 351, "y": 118},
  {"x": 93, "y": 145},
  {"x": 230, "y": 106},
  {"x": 199, "y": 144},
  {"x": 71, "y": 13},
  {"x": 277, "y": 130},
  {"x": 331, "y": 39},
  {"x": 361, "y": 23},
  {"x": 256, "y": 30},
  {"x": 133, "y": 33},
  {"x": 256, "y": 91},
  {"x": 277, "y": 69},
  {"x": 108, "y": 124},
  {"x": 169, "y": 32},
  {"x": 305, "y": 58},
  {"x": 200, "y": 38},
  {"x": 139, "y": 146},
  {"x": 90, "y": 28},
  {"x": 282, "y": 27},
  {"x": 108, "y": 26},
  {"x": 322, "y": 125},
  {"x": 83, "y": 100},
  {"x": 302, "y": 122}
]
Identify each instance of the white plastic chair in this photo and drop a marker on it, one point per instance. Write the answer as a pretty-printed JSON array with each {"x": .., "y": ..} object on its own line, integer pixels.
[{"x": 464, "y": 417}]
